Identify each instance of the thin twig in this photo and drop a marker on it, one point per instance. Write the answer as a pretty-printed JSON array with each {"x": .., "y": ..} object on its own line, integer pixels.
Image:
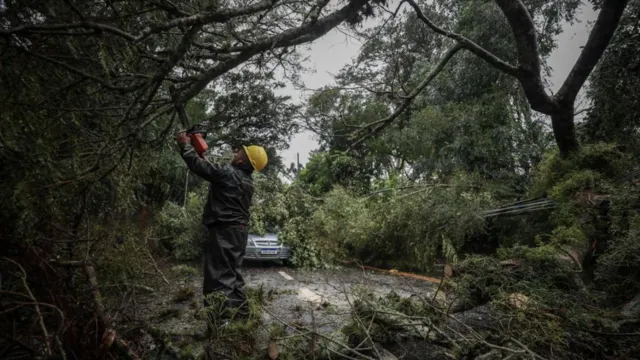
[
  {"x": 36, "y": 305},
  {"x": 155, "y": 265},
  {"x": 359, "y": 321}
]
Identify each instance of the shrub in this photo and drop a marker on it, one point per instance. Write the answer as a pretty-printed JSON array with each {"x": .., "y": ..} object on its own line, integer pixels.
[
  {"x": 179, "y": 229},
  {"x": 408, "y": 228},
  {"x": 618, "y": 271},
  {"x": 342, "y": 223}
]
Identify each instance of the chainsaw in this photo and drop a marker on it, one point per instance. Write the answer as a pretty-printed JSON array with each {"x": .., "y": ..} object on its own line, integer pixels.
[{"x": 197, "y": 132}]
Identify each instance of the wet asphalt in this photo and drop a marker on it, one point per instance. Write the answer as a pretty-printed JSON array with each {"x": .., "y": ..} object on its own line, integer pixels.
[
  {"x": 318, "y": 298},
  {"x": 323, "y": 299},
  {"x": 314, "y": 299}
]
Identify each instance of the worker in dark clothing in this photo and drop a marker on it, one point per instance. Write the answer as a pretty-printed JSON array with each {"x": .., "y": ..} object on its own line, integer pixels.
[{"x": 226, "y": 215}]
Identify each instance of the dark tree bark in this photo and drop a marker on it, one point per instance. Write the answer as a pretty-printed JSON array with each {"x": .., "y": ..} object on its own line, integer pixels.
[{"x": 564, "y": 131}]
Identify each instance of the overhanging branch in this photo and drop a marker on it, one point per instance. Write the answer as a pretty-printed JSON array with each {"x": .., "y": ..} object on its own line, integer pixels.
[
  {"x": 313, "y": 30},
  {"x": 166, "y": 67},
  {"x": 216, "y": 16},
  {"x": 529, "y": 65},
  {"x": 383, "y": 123},
  {"x": 466, "y": 43}
]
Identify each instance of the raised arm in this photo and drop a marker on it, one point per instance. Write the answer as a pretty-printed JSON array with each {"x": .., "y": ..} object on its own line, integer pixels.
[{"x": 201, "y": 167}]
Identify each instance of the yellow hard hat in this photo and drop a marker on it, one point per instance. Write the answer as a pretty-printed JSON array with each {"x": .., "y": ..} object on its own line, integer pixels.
[{"x": 257, "y": 156}]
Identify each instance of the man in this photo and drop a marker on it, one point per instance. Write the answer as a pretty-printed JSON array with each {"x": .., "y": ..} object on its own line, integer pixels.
[{"x": 226, "y": 214}]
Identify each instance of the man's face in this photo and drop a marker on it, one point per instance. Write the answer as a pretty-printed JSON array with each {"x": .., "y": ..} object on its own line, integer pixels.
[{"x": 239, "y": 156}]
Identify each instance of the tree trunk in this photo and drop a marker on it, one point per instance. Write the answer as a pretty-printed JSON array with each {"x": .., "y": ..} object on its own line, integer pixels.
[{"x": 564, "y": 131}]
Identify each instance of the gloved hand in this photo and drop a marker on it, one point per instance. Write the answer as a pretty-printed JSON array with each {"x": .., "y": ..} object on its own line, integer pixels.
[{"x": 182, "y": 137}]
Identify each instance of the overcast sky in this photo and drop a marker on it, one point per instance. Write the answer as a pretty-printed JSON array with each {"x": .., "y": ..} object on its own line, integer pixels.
[{"x": 330, "y": 53}]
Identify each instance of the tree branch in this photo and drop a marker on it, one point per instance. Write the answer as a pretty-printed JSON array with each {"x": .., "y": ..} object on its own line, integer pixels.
[
  {"x": 36, "y": 306},
  {"x": 217, "y": 16},
  {"x": 466, "y": 43},
  {"x": 81, "y": 73},
  {"x": 70, "y": 26},
  {"x": 599, "y": 39},
  {"x": 381, "y": 124},
  {"x": 529, "y": 65},
  {"x": 314, "y": 31},
  {"x": 166, "y": 67}
]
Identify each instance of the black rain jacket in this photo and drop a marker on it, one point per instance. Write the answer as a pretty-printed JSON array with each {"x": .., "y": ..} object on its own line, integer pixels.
[{"x": 230, "y": 189}]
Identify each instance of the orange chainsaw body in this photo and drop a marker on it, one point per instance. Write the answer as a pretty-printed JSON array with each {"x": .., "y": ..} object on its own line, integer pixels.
[{"x": 199, "y": 144}]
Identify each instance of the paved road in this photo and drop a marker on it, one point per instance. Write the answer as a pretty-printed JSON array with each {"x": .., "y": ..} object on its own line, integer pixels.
[
  {"x": 325, "y": 296},
  {"x": 319, "y": 299}
]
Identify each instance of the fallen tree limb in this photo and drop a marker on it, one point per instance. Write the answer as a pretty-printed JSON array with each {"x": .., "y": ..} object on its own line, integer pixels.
[
  {"x": 396, "y": 272},
  {"x": 109, "y": 337},
  {"x": 36, "y": 306},
  {"x": 309, "y": 335}
]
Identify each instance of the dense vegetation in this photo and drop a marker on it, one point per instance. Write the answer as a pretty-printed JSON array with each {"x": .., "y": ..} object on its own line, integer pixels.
[{"x": 442, "y": 117}]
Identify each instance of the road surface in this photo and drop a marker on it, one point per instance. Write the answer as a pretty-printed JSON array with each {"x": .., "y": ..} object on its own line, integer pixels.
[{"x": 318, "y": 299}]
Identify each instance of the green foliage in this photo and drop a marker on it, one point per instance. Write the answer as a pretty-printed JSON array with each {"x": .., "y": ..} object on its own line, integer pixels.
[
  {"x": 568, "y": 235},
  {"x": 341, "y": 223},
  {"x": 615, "y": 111},
  {"x": 325, "y": 170},
  {"x": 571, "y": 181},
  {"x": 550, "y": 309},
  {"x": 248, "y": 111},
  {"x": 386, "y": 319},
  {"x": 563, "y": 177},
  {"x": 183, "y": 270},
  {"x": 296, "y": 231},
  {"x": 180, "y": 230},
  {"x": 414, "y": 226},
  {"x": 268, "y": 212},
  {"x": 617, "y": 270},
  {"x": 184, "y": 294}
]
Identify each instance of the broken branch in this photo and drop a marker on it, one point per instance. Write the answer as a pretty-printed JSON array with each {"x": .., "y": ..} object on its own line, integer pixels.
[
  {"x": 36, "y": 306},
  {"x": 383, "y": 123}
]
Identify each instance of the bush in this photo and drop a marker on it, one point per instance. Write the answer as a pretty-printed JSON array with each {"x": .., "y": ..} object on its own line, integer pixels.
[
  {"x": 341, "y": 224},
  {"x": 296, "y": 231},
  {"x": 180, "y": 230},
  {"x": 268, "y": 211},
  {"x": 408, "y": 228}
]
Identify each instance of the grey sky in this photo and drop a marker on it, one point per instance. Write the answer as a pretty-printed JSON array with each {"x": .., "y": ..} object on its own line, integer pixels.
[{"x": 334, "y": 50}]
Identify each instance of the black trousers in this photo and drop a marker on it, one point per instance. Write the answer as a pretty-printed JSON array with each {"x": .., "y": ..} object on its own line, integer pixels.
[{"x": 223, "y": 255}]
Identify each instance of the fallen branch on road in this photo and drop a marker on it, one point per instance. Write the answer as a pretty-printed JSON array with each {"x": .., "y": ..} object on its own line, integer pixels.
[
  {"x": 310, "y": 334},
  {"x": 395, "y": 272}
]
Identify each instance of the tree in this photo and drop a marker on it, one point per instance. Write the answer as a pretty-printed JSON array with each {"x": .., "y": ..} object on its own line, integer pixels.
[
  {"x": 119, "y": 57},
  {"x": 470, "y": 118},
  {"x": 529, "y": 67},
  {"x": 615, "y": 112},
  {"x": 246, "y": 110},
  {"x": 87, "y": 123}
]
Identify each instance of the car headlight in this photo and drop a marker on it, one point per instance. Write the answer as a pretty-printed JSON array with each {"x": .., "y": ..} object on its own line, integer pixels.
[{"x": 251, "y": 243}]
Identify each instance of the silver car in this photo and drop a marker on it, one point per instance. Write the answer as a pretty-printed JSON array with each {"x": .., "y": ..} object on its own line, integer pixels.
[{"x": 266, "y": 247}]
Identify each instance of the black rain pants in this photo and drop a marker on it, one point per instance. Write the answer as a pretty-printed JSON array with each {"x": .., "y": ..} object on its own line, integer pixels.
[{"x": 223, "y": 255}]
